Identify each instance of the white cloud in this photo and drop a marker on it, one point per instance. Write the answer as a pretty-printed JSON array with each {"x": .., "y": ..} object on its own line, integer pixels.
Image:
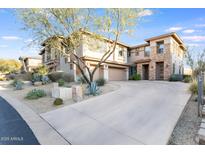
[
  {"x": 146, "y": 12},
  {"x": 11, "y": 38},
  {"x": 200, "y": 25},
  {"x": 195, "y": 38},
  {"x": 193, "y": 44},
  {"x": 173, "y": 29},
  {"x": 3, "y": 46},
  {"x": 188, "y": 31},
  {"x": 28, "y": 40}
]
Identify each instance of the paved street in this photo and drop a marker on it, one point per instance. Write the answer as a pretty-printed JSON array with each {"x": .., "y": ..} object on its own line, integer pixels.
[
  {"x": 143, "y": 112},
  {"x": 14, "y": 129}
]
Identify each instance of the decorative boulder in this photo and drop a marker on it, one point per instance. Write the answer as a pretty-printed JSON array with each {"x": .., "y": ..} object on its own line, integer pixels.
[
  {"x": 77, "y": 93},
  {"x": 62, "y": 92}
]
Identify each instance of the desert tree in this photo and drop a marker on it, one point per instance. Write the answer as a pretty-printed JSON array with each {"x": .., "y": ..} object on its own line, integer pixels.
[
  {"x": 195, "y": 59},
  {"x": 67, "y": 25}
]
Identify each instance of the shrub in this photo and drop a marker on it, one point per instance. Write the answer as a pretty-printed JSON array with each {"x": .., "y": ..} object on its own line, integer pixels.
[
  {"x": 2, "y": 78},
  {"x": 55, "y": 76},
  {"x": 36, "y": 77},
  {"x": 194, "y": 87},
  {"x": 176, "y": 77},
  {"x": 45, "y": 79},
  {"x": 61, "y": 82},
  {"x": 19, "y": 85},
  {"x": 187, "y": 79},
  {"x": 135, "y": 77},
  {"x": 15, "y": 81},
  {"x": 100, "y": 82},
  {"x": 42, "y": 70},
  {"x": 58, "y": 101},
  {"x": 35, "y": 94}
]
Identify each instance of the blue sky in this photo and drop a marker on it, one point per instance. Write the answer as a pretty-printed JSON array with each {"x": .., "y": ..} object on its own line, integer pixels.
[{"x": 188, "y": 23}]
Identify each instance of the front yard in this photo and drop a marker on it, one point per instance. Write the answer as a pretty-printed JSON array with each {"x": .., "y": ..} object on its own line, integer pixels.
[{"x": 45, "y": 104}]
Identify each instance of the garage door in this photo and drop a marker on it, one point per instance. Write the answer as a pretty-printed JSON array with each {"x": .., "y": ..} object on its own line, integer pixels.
[{"x": 117, "y": 74}]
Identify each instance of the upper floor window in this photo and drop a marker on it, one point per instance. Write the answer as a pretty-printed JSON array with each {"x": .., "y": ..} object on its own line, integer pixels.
[
  {"x": 120, "y": 53},
  {"x": 48, "y": 56},
  {"x": 147, "y": 51},
  {"x": 160, "y": 47},
  {"x": 128, "y": 53}
]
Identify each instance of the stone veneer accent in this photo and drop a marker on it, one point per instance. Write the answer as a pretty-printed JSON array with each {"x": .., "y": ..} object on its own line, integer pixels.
[{"x": 165, "y": 57}]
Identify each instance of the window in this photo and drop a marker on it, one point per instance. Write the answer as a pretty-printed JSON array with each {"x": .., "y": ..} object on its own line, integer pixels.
[
  {"x": 160, "y": 47},
  {"x": 147, "y": 51},
  {"x": 128, "y": 53},
  {"x": 71, "y": 66},
  {"x": 120, "y": 53},
  {"x": 48, "y": 56}
]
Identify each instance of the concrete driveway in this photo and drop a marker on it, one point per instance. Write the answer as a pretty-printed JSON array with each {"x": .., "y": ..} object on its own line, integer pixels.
[{"x": 141, "y": 112}]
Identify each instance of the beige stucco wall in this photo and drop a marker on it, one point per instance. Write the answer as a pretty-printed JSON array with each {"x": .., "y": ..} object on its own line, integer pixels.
[{"x": 96, "y": 49}]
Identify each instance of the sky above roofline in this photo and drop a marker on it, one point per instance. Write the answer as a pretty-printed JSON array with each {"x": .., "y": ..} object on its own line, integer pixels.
[{"x": 189, "y": 24}]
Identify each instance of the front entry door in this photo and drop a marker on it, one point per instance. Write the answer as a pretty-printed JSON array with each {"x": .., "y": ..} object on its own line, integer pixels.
[
  {"x": 145, "y": 72},
  {"x": 160, "y": 71}
]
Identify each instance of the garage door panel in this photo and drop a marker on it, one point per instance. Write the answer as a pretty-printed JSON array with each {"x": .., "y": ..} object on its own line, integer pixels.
[{"x": 117, "y": 74}]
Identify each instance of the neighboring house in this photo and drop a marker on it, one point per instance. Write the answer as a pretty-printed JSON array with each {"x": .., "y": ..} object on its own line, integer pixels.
[
  {"x": 187, "y": 71},
  {"x": 32, "y": 62},
  {"x": 157, "y": 59}
]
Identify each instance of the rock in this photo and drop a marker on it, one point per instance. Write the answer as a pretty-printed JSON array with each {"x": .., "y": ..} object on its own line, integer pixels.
[
  {"x": 77, "y": 93},
  {"x": 62, "y": 92}
]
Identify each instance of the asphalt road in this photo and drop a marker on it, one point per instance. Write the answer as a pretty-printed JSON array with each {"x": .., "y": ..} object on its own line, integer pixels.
[{"x": 13, "y": 129}]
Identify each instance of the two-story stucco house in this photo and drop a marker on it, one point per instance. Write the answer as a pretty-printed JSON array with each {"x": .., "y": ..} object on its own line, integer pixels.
[{"x": 157, "y": 59}]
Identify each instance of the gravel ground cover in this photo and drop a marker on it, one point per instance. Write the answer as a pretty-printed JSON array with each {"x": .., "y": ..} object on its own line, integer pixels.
[
  {"x": 45, "y": 104},
  {"x": 187, "y": 126}
]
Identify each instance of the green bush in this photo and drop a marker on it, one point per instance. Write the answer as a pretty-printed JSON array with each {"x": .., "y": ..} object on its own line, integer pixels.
[
  {"x": 135, "y": 77},
  {"x": 187, "y": 79},
  {"x": 41, "y": 70},
  {"x": 58, "y": 101},
  {"x": 35, "y": 94},
  {"x": 100, "y": 82},
  {"x": 194, "y": 87},
  {"x": 176, "y": 77},
  {"x": 45, "y": 79},
  {"x": 16, "y": 81},
  {"x": 61, "y": 82},
  {"x": 36, "y": 77},
  {"x": 55, "y": 76}
]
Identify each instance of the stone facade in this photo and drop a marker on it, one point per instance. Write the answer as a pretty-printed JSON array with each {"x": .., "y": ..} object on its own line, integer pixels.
[{"x": 172, "y": 55}]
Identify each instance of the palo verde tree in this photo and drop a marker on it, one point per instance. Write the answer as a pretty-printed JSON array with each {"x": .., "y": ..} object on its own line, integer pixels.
[{"x": 67, "y": 25}]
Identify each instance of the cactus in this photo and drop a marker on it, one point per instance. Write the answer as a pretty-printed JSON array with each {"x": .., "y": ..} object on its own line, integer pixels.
[{"x": 93, "y": 89}]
